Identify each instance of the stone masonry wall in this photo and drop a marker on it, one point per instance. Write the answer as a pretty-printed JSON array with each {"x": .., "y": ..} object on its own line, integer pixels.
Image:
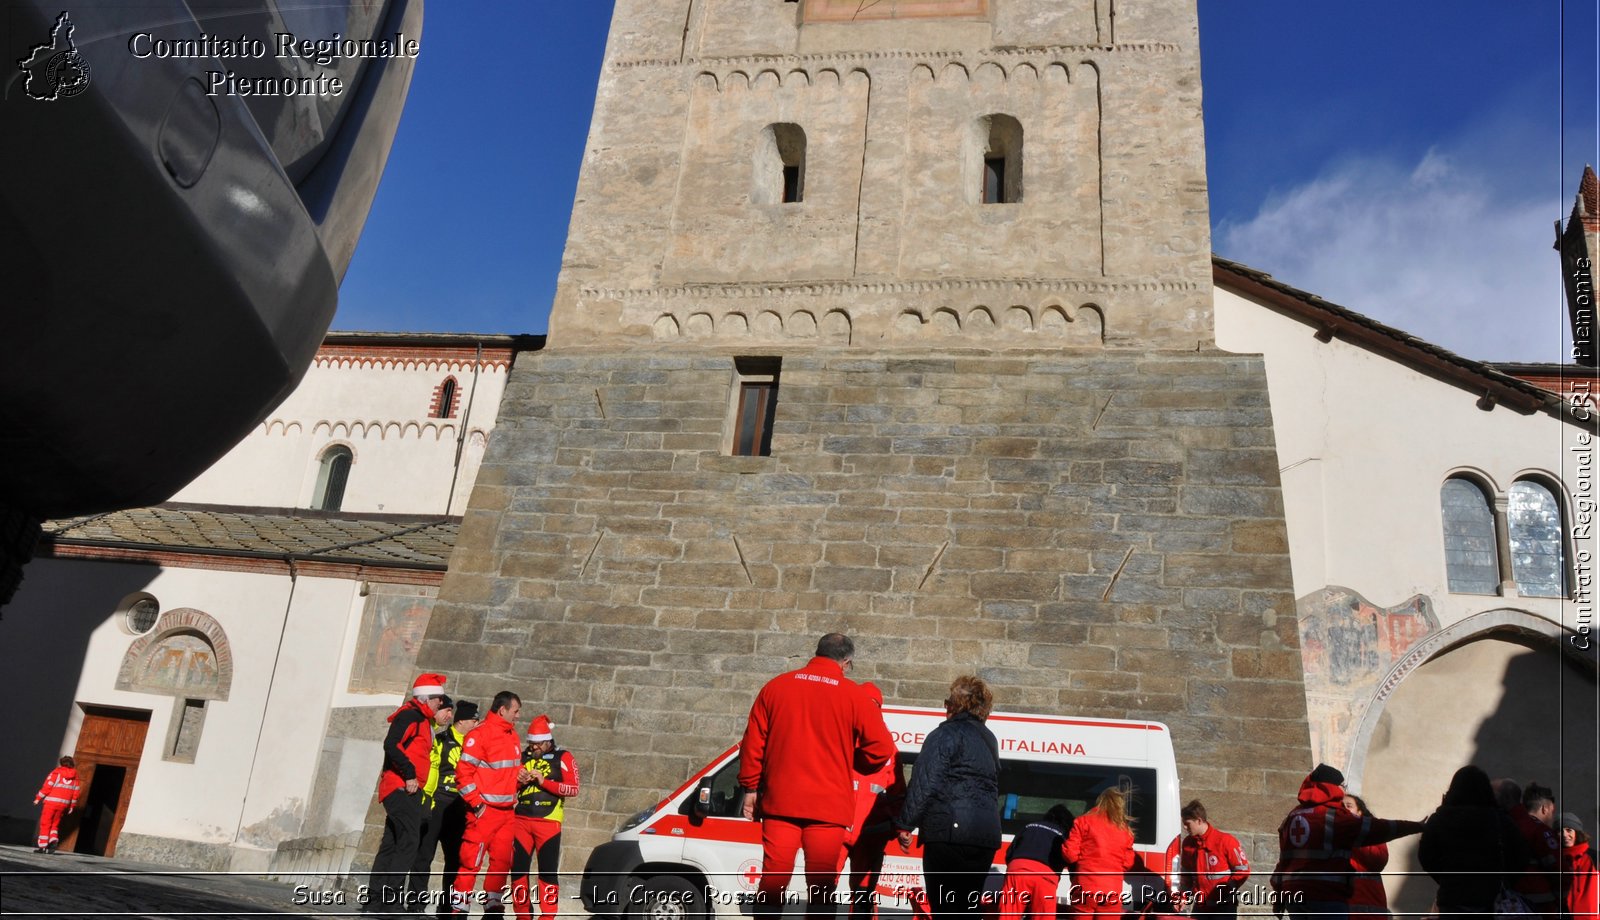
[{"x": 1095, "y": 533}]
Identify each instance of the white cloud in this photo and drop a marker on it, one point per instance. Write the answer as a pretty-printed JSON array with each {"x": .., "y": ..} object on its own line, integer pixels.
[{"x": 1431, "y": 249}]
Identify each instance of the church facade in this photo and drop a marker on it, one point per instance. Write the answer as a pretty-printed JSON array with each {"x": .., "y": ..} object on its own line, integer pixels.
[{"x": 221, "y": 665}]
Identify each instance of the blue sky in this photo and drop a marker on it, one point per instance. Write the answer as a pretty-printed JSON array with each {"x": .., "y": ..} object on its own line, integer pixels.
[{"x": 1404, "y": 158}]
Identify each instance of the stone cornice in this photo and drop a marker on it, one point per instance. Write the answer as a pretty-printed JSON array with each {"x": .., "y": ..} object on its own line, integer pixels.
[
  {"x": 831, "y": 288},
  {"x": 848, "y": 57}
]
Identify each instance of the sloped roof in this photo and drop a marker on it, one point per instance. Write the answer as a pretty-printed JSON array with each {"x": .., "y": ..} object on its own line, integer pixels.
[
  {"x": 362, "y": 539},
  {"x": 1333, "y": 321}
]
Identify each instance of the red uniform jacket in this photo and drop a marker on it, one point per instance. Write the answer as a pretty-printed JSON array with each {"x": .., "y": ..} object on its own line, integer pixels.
[
  {"x": 60, "y": 787},
  {"x": 1099, "y": 852},
  {"x": 878, "y": 797},
  {"x": 1368, "y": 898},
  {"x": 490, "y": 759},
  {"x": 1579, "y": 882},
  {"x": 1316, "y": 843},
  {"x": 407, "y": 749},
  {"x": 1538, "y": 883},
  {"x": 1211, "y": 865},
  {"x": 802, "y": 742}
]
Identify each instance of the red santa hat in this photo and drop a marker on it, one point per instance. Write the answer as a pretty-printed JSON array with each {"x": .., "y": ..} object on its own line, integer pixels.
[
  {"x": 539, "y": 729},
  {"x": 428, "y": 685},
  {"x": 872, "y": 692}
]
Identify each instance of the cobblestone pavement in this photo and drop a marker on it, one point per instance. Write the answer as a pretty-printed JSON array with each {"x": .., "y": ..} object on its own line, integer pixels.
[{"x": 71, "y": 885}]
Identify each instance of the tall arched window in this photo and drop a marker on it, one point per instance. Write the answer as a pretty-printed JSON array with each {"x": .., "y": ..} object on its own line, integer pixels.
[
  {"x": 1538, "y": 557},
  {"x": 1000, "y": 180},
  {"x": 331, "y": 477},
  {"x": 1471, "y": 561},
  {"x": 780, "y": 167},
  {"x": 444, "y": 402}
]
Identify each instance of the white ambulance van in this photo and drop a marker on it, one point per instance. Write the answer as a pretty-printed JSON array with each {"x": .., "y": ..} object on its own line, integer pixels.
[{"x": 693, "y": 855}]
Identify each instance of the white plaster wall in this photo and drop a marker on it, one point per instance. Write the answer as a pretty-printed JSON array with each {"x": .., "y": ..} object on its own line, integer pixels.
[
  {"x": 402, "y": 461},
  {"x": 292, "y": 725},
  {"x": 1365, "y": 444}
]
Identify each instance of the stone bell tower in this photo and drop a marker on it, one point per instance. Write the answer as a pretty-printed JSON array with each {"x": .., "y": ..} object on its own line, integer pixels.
[
  {"x": 894, "y": 174},
  {"x": 891, "y": 317}
]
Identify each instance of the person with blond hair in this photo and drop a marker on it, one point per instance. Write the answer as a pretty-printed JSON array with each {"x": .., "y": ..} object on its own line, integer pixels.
[
  {"x": 954, "y": 797},
  {"x": 1100, "y": 850}
]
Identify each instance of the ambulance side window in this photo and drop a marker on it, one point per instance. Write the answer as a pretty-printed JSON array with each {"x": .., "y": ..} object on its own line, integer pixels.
[
  {"x": 1029, "y": 787},
  {"x": 726, "y": 802}
]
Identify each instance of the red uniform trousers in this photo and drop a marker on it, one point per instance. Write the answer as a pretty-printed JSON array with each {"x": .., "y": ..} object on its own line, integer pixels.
[
  {"x": 50, "y": 824},
  {"x": 1030, "y": 891},
  {"x": 823, "y": 844},
  {"x": 532, "y": 837},
  {"x": 1098, "y": 893},
  {"x": 486, "y": 843}
]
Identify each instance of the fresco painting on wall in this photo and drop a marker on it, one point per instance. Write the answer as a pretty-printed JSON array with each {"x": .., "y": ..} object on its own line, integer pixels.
[
  {"x": 392, "y": 626},
  {"x": 180, "y": 664},
  {"x": 1348, "y": 645}
]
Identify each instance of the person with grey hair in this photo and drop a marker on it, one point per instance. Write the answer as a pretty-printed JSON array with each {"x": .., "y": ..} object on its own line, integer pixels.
[
  {"x": 808, "y": 730},
  {"x": 1507, "y": 793}
]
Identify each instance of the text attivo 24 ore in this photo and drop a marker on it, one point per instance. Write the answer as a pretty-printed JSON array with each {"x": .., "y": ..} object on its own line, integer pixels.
[{"x": 320, "y": 51}]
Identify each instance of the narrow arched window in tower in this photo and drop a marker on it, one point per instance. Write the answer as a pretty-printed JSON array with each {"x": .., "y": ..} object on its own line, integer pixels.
[
  {"x": 1471, "y": 559},
  {"x": 332, "y": 474},
  {"x": 780, "y": 168},
  {"x": 444, "y": 401},
  {"x": 1538, "y": 540},
  {"x": 999, "y": 179}
]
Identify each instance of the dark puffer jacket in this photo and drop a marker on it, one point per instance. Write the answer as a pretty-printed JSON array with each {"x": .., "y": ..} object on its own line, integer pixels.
[
  {"x": 955, "y": 787},
  {"x": 1470, "y": 851}
]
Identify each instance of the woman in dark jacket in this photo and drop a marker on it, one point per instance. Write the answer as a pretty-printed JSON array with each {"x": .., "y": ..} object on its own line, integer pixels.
[
  {"x": 954, "y": 797},
  {"x": 1470, "y": 847}
]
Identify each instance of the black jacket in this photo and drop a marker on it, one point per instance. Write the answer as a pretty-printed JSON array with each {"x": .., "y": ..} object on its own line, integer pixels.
[
  {"x": 955, "y": 786},
  {"x": 1469, "y": 851},
  {"x": 1041, "y": 842}
]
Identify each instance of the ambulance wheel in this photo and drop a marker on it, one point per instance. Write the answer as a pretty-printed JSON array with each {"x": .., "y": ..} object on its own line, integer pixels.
[{"x": 668, "y": 897}]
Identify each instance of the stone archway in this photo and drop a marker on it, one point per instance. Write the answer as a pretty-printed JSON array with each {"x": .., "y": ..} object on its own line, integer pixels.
[
  {"x": 1504, "y": 622},
  {"x": 1503, "y": 690}
]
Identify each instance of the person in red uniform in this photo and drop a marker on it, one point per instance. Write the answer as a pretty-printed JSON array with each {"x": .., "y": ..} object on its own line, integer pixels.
[
  {"x": 1312, "y": 880},
  {"x": 1100, "y": 850},
  {"x": 60, "y": 796},
  {"x": 486, "y": 779},
  {"x": 1033, "y": 867},
  {"x": 807, "y": 729},
  {"x": 549, "y": 776},
  {"x": 1210, "y": 864},
  {"x": 406, "y": 752},
  {"x": 1368, "y": 898},
  {"x": 1580, "y": 886},
  {"x": 1539, "y": 884},
  {"x": 879, "y": 795}
]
